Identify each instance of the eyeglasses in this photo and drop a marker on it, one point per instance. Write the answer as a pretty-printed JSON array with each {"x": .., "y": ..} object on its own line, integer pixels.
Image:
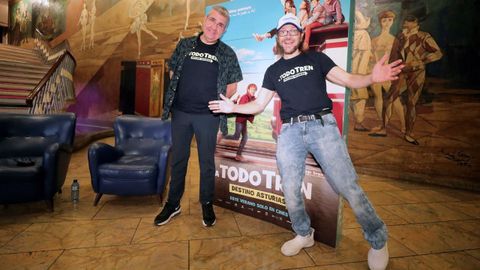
[
  {"x": 213, "y": 21},
  {"x": 291, "y": 32}
]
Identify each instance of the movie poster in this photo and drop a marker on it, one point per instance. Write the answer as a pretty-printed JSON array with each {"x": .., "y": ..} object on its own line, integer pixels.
[{"x": 247, "y": 179}]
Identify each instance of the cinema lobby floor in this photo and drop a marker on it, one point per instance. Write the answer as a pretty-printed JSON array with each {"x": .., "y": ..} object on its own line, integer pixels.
[{"x": 429, "y": 227}]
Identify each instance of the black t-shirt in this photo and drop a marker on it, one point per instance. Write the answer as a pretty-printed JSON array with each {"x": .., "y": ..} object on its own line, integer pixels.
[
  {"x": 300, "y": 83},
  {"x": 198, "y": 80}
]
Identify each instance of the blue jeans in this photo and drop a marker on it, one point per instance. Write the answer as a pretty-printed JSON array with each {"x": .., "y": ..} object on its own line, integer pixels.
[{"x": 323, "y": 140}]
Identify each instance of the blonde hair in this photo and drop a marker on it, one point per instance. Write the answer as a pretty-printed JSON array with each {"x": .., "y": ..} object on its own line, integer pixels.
[
  {"x": 222, "y": 11},
  {"x": 386, "y": 14}
]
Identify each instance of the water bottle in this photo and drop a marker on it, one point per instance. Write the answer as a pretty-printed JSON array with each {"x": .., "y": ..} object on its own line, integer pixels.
[{"x": 75, "y": 191}]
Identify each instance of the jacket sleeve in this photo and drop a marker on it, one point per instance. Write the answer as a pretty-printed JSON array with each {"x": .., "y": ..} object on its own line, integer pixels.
[
  {"x": 234, "y": 70},
  {"x": 172, "y": 64}
]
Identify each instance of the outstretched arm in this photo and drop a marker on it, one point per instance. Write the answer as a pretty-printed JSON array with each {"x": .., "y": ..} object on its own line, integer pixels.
[
  {"x": 381, "y": 72},
  {"x": 227, "y": 106}
]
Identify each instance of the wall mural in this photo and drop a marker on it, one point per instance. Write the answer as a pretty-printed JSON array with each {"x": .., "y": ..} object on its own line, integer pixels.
[
  {"x": 48, "y": 18},
  {"x": 101, "y": 34},
  {"x": 421, "y": 127},
  {"x": 139, "y": 18},
  {"x": 20, "y": 23}
]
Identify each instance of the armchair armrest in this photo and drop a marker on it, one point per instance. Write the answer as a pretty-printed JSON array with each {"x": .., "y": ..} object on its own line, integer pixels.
[
  {"x": 98, "y": 154},
  {"x": 56, "y": 159}
]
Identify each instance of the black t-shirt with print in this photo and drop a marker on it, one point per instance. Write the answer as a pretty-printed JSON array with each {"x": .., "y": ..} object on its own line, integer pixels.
[
  {"x": 198, "y": 80},
  {"x": 301, "y": 83}
]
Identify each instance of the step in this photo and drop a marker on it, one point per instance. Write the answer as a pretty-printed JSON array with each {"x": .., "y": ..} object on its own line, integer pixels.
[
  {"x": 24, "y": 64},
  {"x": 18, "y": 52},
  {"x": 17, "y": 93},
  {"x": 14, "y": 48},
  {"x": 19, "y": 79},
  {"x": 22, "y": 75},
  {"x": 23, "y": 70},
  {"x": 9, "y": 100},
  {"x": 11, "y": 109},
  {"x": 17, "y": 86},
  {"x": 21, "y": 59}
]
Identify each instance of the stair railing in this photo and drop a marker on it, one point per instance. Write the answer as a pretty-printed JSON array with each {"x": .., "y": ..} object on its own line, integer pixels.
[{"x": 56, "y": 89}]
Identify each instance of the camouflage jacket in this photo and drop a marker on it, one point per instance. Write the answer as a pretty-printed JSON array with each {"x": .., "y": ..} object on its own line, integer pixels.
[{"x": 228, "y": 72}]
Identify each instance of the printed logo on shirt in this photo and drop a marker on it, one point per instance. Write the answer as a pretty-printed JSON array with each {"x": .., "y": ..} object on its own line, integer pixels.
[
  {"x": 206, "y": 57},
  {"x": 295, "y": 73}
]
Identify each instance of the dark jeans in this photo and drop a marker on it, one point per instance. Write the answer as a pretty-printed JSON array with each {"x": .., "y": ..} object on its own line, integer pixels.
[
  {"x": 240, "y": 128},
  {"x": 205, "y": 128}
]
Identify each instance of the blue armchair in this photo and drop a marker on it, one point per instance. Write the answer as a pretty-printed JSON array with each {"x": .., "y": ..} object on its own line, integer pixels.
[
  {"x": 35, "y": 152},
  {"x": 138, "y": 163}
]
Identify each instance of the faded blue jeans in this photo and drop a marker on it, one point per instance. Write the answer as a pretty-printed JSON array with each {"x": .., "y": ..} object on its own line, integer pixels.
[{"x": 323, "y": 140}]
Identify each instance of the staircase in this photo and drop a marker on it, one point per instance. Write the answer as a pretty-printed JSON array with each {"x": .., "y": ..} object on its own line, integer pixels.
[
  {"x": 20, "y": 71},
  {"x": 32, "y": 81}
]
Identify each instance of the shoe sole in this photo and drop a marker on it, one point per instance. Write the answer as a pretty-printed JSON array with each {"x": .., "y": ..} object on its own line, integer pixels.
[
  {"x": 205, "y": 224},
  {"x": 293, "y": 254},
  {"x": 170, "y": 217}
]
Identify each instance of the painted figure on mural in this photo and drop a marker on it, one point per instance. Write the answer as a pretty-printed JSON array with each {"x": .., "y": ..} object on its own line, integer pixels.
[
  {"x": 16, "y": 34},
  {"x": 83, "y": 21},
  {"x": 381, "y": 45},
  {"x": 416, "y": 48},
  {"x": 92, "y": 16},
  {"x": 361, "y": 57},
  {"x": 309, "y": 126},
  {"x": 23, "y": 20},
  {"x": 241, "y": 123},
  {"x": 155, "y": 92},
  {"x": 187, "y": 15},
  {"x": 138, "y": 13},
  {"x": 46, "y": 24}
]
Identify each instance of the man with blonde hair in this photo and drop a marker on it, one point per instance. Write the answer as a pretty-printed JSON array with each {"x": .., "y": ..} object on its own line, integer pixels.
[{"x": 310, "y": 127}]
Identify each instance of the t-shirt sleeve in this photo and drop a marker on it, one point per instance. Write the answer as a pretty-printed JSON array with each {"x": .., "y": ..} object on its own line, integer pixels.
[
  {"x": 326, "y": 63},
  {"x": 268, "y": 82}
]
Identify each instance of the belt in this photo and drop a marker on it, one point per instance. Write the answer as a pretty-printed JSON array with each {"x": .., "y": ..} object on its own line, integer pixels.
[{"x": 304, "y": 118}]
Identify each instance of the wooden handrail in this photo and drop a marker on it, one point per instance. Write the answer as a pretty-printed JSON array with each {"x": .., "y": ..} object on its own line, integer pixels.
[{"x": 41, "y": 84}]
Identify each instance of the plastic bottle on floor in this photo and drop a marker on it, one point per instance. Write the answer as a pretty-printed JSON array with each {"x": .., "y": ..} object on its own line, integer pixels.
[{"x": 75, "y": 191}]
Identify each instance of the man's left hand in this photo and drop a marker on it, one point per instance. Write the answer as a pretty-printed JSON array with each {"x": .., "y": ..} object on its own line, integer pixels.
[{"x": 386, "y": 72}]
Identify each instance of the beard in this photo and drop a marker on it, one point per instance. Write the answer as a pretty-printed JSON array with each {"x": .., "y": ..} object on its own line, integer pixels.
[{"x": 282, "y": 51}]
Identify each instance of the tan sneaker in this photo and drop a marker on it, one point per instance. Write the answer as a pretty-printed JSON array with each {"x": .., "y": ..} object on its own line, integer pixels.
[
  {"x": 293, "y": 247},
  {"x": 378, "y": 258}
]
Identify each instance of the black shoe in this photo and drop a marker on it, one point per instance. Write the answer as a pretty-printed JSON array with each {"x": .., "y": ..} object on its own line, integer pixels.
[
  {"x": 360, "y": 127},
  {"x": 208, "y": 215},
  {"x": 167, "y": 213},
  {"x": 411, "y": 140}
]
